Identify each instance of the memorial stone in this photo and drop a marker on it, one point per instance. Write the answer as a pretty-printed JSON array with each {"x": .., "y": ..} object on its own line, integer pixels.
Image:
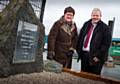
[{"x": 21, "y": 39}]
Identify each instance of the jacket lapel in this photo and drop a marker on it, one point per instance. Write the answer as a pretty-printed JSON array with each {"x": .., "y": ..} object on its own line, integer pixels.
[{"x": 67, "y": 28}]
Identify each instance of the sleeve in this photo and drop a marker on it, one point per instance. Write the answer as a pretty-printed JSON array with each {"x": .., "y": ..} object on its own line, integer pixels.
[
  {"x": 52, "y": 37},
  {"x": 105, "y": 44},
  {"x": 80, "y": 38}
]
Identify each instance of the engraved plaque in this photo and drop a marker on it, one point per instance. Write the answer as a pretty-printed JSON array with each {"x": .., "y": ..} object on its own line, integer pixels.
[{"x": 26, "y": 43}]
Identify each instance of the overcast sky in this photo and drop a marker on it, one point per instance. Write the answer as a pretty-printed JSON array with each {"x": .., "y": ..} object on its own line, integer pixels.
[{"x": 54, "y": 9}]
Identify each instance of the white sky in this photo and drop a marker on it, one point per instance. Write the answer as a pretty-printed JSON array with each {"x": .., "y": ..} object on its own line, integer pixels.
[{"x": 54, "y": 9}]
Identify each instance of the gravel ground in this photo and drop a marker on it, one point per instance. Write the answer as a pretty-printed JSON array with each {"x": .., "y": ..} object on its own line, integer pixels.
[{"x": 47, "y": 78}]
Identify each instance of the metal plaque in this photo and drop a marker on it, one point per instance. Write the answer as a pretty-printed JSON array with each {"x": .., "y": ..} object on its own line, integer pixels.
[{"x": 26, "y": 43}]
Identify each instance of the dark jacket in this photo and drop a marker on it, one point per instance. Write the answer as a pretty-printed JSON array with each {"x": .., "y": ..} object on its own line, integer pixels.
[
  {"x": 100, "y": 41},
  {"x": 61, "y": 40}
]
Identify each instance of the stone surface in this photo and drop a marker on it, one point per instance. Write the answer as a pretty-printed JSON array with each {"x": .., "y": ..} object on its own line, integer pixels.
[
  {"x": 15, "y": 11},
  {"x": 52, "y": 66}
]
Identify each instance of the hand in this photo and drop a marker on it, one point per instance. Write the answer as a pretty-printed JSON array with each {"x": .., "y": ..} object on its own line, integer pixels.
[
  {"x": 96, "y": 59},
  {"x": 69, "y": 53}
]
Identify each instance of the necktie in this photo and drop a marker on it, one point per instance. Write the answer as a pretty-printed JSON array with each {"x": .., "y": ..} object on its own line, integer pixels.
[{"x": 88, "y": 36}]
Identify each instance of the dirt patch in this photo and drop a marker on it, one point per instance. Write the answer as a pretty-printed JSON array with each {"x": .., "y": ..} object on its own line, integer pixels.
[{"x": 47, "y": 78}]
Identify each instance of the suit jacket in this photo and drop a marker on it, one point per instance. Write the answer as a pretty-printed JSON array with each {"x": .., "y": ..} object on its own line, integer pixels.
[{"x": 100, "y": 41}]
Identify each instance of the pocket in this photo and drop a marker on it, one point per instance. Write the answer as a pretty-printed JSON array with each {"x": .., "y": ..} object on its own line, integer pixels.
[{"x": 93, "y": 63}]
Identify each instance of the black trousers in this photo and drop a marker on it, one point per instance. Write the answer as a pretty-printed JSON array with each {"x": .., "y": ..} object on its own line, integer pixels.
[{"x": 87, "y": 67}]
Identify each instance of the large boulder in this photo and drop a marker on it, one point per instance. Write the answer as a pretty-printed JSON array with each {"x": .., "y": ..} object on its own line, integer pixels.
[{"x": 18, "y": 11}]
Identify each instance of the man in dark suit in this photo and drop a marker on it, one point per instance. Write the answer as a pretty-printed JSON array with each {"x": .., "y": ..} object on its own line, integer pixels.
[{"x": 93, "y": 43}]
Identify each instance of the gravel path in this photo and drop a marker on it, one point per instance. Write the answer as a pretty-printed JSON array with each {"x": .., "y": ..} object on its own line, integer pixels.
[{"x": 47, "y": 78}]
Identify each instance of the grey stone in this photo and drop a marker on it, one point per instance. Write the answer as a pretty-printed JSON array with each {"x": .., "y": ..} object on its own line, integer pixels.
[
  {"x": 15, "y": 11},
  {"x": 52, "y": 66}
]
